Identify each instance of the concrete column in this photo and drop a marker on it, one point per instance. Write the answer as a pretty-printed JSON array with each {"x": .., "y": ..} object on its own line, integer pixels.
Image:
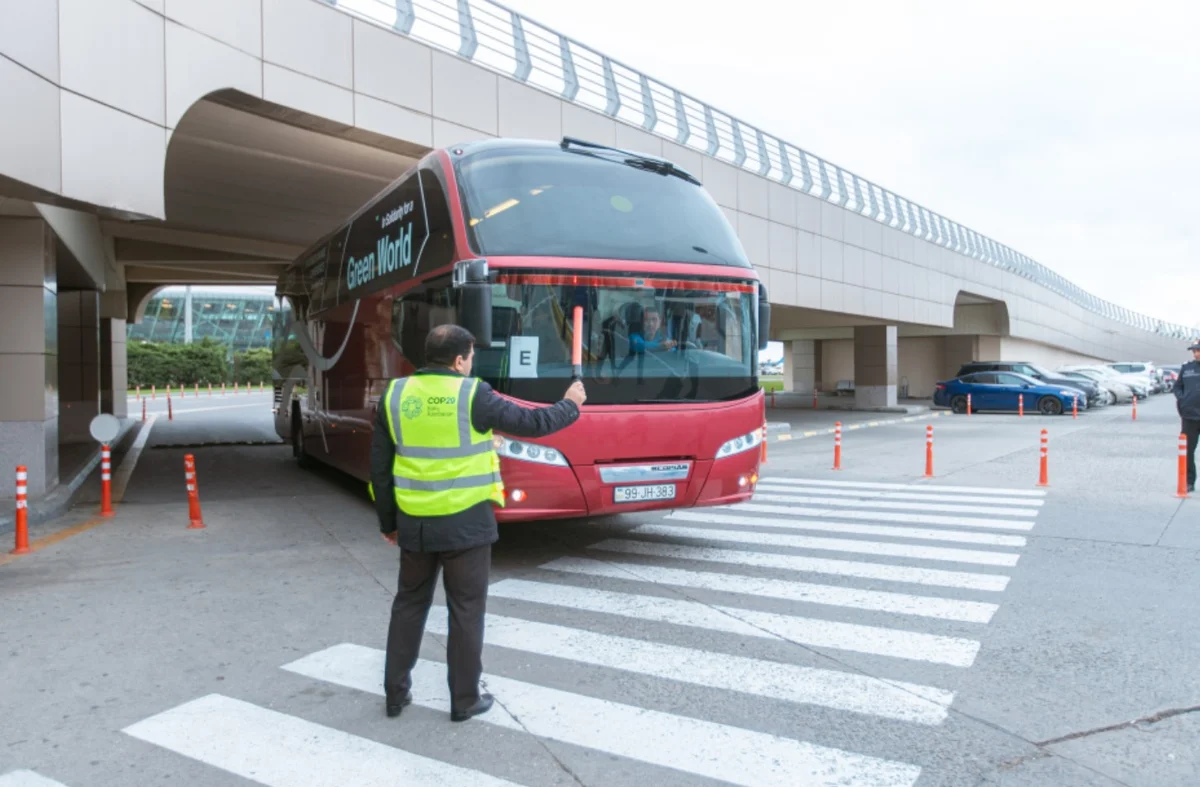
[
  {"x": 78, "y": 364},
  {"x": 799, "y": 365},
  {"x": 876, "y": 366},
  {"x": 28, "y": 354},
  {"x": 114, "y": 377}
]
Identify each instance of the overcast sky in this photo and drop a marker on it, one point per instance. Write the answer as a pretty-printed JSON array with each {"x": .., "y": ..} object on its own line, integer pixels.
[{"x": 1067, "y": 130}]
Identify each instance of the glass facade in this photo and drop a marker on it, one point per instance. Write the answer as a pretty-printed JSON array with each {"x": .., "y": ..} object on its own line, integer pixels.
[{"x": 239, "y": 317}]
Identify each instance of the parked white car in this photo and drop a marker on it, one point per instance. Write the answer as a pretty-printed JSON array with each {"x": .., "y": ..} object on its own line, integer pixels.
[
  {"x": 1139, "y": 385},
  {"x": 1118, "y": 392}
]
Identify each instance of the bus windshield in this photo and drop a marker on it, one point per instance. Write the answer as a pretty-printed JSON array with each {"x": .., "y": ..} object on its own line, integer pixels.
[
  {"x": 644, "y": 340},
  {"x": 544, "y": 201}
]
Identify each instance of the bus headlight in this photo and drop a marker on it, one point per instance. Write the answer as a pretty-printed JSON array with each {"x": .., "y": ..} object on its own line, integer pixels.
[
  {"x": 737, "y": 445},
  {"x": 529, "y": 452}
]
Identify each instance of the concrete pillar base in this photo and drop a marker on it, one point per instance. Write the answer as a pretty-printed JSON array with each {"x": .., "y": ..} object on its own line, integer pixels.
[
  {"x": 876, "y": 366},
  {"x": 799, "y": 366},
  {"x": 867, "y": 397}
]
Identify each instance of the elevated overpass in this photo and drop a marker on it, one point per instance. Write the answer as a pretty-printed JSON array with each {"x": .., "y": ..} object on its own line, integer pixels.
[{"x": 156, "y": 142}]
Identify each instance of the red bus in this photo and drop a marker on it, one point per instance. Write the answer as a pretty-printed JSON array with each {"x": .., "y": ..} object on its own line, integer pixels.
[{"x": 507, "y": 237}]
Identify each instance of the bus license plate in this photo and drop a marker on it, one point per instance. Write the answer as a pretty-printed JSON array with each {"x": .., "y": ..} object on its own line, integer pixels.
[{"x": 642, "y": 494}]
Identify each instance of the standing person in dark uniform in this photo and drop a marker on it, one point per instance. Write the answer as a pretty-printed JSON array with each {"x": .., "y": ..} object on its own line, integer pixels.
[
  {"x": 435, "y": 476},
  {"x": 1187, "y": 402}
]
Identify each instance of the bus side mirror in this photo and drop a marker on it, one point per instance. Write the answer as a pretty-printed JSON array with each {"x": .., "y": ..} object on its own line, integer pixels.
[
  {"x": 764, "y": 317},
  {"x": 470, "y": 278}
]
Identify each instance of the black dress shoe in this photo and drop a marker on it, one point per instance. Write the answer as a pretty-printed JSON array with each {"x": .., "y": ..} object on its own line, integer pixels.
[
  {"x": 394, "y": 708},
  {"x": 483, "y": 705}
]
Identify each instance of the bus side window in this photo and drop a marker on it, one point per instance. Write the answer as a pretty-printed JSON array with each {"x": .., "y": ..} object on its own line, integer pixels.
[{"x": 415, "y": 315}]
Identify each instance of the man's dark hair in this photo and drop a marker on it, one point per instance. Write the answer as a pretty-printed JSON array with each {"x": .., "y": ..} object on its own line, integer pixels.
[{"x": 447, "y": 342}]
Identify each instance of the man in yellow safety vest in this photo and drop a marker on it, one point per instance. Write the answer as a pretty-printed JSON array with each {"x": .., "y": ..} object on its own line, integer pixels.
[{"x": 435, "y": 477}]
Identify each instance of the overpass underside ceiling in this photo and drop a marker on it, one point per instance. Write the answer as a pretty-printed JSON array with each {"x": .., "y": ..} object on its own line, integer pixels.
[{"x": 248, "y": 185}]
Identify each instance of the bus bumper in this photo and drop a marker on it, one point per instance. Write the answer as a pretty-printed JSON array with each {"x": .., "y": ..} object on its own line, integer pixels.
[{"x": 541, "y": 492}]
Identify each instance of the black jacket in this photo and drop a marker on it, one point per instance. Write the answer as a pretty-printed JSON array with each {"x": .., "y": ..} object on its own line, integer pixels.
[
  {"x": 1187, "y": 391},
  {"x": 476, "y": 525}
]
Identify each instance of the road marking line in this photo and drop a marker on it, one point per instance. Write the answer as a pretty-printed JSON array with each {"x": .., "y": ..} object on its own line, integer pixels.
[
  {"x": 275, "y": 749},
  {"x": 772, "y": 679},
  {"x": 875, "y": 640},
  {"x": 837, "y": 502},
  {"x": 985, "y": 490},
  {"x": 886, "y": 516},
  {"x": 775, "y": 485},
  {"x": 992, "y": 539},
  {"x": 847, "y": 568},
  {"x": 24, "y": 778},
  {"x": 703, "y": 748},
  {"x": 129, "y": 462},
  {"x": 982, "y": 557},
  {"x": 785, "y": 590}
]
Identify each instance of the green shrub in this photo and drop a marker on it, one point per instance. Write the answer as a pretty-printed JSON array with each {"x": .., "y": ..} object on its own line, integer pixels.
[{"x": 177, "y": 364}]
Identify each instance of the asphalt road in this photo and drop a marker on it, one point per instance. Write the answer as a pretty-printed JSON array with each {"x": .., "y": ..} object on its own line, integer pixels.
[{"x": 866, "y": 626}]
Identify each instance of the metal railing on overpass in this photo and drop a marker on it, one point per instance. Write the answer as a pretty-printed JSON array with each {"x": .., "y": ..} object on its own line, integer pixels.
[{"x": 502, "y": 40}]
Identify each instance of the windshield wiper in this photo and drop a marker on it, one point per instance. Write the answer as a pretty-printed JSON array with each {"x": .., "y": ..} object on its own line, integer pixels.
[{"x": 631, "y": 159}]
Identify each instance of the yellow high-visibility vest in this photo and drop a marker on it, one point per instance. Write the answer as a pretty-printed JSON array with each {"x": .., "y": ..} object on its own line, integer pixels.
[{"x": 442, "y": 465}]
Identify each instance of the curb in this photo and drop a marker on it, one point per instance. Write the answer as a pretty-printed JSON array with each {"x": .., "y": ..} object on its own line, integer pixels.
[
  {"x": 55, "y": 504},
  {"x": 851, "y": 427}
]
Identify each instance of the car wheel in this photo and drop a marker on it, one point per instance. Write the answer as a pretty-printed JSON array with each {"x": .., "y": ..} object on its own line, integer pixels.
[
  {"x": 298, "y": 452},
  {"x": 1110, "y": 398},
  {"x": 1048, "y": 405},
  {"x": 958, "y": 405}
]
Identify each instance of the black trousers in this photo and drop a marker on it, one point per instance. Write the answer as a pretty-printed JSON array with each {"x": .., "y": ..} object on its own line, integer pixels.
[
  {"x": 1191, "y": 428},
  {"x": 466, "y": 583}
]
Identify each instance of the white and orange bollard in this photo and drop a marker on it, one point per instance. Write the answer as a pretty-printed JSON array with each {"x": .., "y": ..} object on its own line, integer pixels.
[
  {"x": 106, "y": 508},
  {"x": 1181, "y": 490},
  {"x": 139, "y": 392},
  {"x": 1074, "y": 406},
  {"x": 837, "y": 446},
  {"x": 814, "y": 400},
  {"x": 143, "y": 411},
  {"x": 1044, "y": 472},
  {"x": 153, "y": 393},
  {"x": 197, "y": 390},
  {"x": 968, "y": 404},
  {"x": 193, "y": 491},
  {"x": 210, "y": 390},
  {"x": 236, "y": 390},
  {"x": 1135, "y": 407},
  {"x": 222, "y": 389},
  {"x": 21, "y": 532},
  {"x": 1020, "y": 405},
  {"x": 929, "y": 451}
]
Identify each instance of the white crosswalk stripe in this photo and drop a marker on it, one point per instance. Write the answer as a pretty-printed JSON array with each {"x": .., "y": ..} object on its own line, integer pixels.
[
  {"x": 923, "y": 534},
  {"x": 716, "y": 751},
  {"x": 887, "y": 516},
  {"x": 786, "y": 590},
  {"x": 822, "y": 633},
  {"x": 738, "y": 580},
  {"x": 899, "y": 505},
  {"x": 792, "y": 683},
  {"x": 927, "y": 488},
  {"x": 849, "y": 568},
  {"x": 27, "y": 779},
  {"x": 280, "y": 750},
  {"x": 824, "y": 491},
  {"x": 921, "y": 552}
]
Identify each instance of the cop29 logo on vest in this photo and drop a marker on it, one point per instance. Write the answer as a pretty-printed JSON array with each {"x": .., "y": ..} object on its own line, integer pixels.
[{"x": 411, "y": 407}]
